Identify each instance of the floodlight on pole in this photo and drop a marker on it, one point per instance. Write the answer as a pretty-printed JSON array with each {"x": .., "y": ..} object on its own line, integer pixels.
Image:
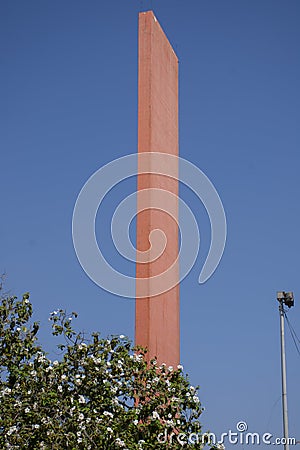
[{"x": 285, "y": 299}]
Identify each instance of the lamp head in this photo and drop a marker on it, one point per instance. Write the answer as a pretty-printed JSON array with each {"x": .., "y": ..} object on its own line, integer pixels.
[{"x": 286, "y": 298}]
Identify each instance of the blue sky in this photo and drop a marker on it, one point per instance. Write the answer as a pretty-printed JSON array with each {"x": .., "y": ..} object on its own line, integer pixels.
[{"x": 69, "y": 105}]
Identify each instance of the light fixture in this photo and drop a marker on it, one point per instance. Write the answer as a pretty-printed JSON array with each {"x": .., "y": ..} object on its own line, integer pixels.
[{"x": 286, "y": 298}]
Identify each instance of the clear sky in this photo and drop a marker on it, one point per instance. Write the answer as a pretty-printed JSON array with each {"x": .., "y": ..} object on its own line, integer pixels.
[{"x": 69, "y": 105}]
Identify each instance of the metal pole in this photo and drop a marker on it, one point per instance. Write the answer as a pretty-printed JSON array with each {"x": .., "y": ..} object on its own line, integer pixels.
[{"x": 283, "y": 377}]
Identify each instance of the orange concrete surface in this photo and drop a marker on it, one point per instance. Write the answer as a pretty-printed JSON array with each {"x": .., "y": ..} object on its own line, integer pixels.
[{"x": 157, "y": 318}]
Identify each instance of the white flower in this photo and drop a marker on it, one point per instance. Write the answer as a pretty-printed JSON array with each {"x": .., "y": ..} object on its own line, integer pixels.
[
  {"x": 119, "y": 442},
  {"x": 11, "y": 430},
  {"x": 60, "y": 388},
  {"x": 122, "y": 336},
  {"x": 108, "y": 414},
  {"x": 170, "y": 368},
  {"x": 27, "y": 410},
  {"x": 109, "y": 430},
  {"x": 135, "y": 422},
  {"x": 155, "y": 415},
  {"x": 64, "y": 377},
  {"x": 81, "y": 399},
  {"x": 180, "y": 367},
  {"x": 41, "y": 358},
  {"x": 81, "y": 416},
  {"x": 82, "y": 346},
  {"x": 6, "y": 391},
  {"x": 36, "y": 426},
  {"x": 55, "y": 363}
]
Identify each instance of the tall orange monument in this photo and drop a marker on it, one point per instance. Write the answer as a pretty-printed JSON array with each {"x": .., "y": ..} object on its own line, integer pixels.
[{"x": 157, "y": 317}]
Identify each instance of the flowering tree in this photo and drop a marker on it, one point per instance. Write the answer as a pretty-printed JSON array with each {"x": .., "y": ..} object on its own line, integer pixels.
[{"x": 99, "y": 395}]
